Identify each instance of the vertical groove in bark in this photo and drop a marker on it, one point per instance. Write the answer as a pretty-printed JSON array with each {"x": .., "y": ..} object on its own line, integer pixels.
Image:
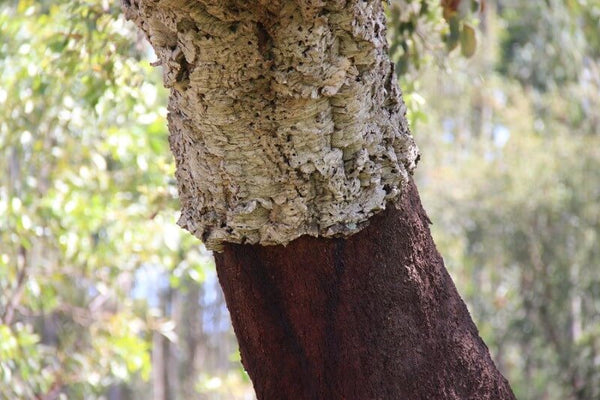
[
  {"x": 373, "y": 316},
  {"x": 285, "y": 115}
]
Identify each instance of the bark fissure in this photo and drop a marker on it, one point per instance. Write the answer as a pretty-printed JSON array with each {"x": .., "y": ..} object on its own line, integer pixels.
[
  {"x": 332, "y": 341},
  {"x": 275, "y": 315}
]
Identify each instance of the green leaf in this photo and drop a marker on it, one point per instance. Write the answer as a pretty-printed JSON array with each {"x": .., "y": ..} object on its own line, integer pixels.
[{"x": 468, "y": 41}]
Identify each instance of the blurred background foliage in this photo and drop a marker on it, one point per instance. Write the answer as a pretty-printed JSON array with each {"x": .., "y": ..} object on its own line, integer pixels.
[{"x": 102, "y": 296}]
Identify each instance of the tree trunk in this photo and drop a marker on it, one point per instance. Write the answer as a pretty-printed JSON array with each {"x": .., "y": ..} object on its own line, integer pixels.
[
  {"x": 285, "y": 115},
  {"x": 373, "y": 316},
  {"x": 286, "y": 122},
  {"x": 161, "y": 356}
]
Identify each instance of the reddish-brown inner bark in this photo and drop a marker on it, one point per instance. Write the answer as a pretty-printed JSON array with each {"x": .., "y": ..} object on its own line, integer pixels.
[{"x": 372, "y": 316}]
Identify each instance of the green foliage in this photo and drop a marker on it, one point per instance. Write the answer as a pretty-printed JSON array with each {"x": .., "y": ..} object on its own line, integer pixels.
[
  {"x": 547, "y": 44},
  {"x": 525, "y": 227},
  {"x": 510, "y": 176},
  {"x": 423, "y": 35},
  {"x": 86, "y": 199},
  {"x": 418, "y": 32},
  {"x": 415, "y": 30}
]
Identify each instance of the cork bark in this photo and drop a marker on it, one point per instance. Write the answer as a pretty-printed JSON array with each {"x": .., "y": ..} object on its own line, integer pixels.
[{"x": 285, "y": 117}]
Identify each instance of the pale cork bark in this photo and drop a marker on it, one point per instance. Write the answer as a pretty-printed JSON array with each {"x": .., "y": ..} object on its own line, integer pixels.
[{"x": 285, "y": 116}]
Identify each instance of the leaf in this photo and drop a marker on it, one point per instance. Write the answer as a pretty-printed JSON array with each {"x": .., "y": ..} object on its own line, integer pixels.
[{"x": 468, "y": 41}]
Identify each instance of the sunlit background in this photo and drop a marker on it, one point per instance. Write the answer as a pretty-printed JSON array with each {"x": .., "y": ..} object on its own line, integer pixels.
[{"x": 102, "y": 296}]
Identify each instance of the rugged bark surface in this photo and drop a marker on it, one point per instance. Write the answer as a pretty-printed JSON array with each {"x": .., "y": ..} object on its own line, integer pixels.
[
  {"x": 372, "y": 316},
  {"x": 286, "y": 121},
  {"x": 285, "y": 115}
]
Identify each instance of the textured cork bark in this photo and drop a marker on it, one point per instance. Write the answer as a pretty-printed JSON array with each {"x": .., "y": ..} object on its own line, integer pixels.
[{"x": 285, "y": 117}]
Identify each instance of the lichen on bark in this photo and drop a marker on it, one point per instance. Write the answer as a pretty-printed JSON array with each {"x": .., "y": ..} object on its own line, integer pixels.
[{"x": 285, "y": 116}]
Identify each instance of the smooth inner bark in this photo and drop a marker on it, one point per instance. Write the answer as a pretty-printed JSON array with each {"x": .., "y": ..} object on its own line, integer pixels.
[{"x": 372, "y": 316}]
